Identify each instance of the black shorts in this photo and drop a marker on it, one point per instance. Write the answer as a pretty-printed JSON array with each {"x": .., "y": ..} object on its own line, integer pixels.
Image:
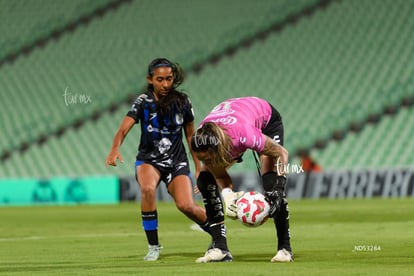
[
  {"x": 274, "y": 128},
  {"x": 167, "y": 174}
]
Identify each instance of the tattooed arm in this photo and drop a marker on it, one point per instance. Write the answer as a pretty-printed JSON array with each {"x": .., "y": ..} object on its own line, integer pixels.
[{"x": 278, "y": 153}]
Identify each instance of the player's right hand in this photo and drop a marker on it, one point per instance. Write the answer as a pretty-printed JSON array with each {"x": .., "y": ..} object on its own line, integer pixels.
[{"x": 112, "y": 157}]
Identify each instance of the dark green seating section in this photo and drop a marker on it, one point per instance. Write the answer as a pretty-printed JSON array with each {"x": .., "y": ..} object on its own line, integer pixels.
[
  {"x": 387, "y": 144},
  {"x": 324, "y": 72},
  {"x": 25, "y": 21},
  {"x": 106, "y": 60}
]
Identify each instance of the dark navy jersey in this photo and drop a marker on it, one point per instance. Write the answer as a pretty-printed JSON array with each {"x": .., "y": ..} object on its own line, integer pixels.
[{"x": 161, "y": 136}]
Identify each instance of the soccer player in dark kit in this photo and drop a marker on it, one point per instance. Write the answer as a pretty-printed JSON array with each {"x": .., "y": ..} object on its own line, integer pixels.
[{"x": 163, "y": 113}]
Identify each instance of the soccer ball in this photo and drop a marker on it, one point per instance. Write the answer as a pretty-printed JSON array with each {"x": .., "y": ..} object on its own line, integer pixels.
[{"x": 252, "y": 209}]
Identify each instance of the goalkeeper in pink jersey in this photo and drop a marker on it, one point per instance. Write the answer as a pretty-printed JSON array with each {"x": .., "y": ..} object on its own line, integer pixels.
[{"x": 230, "y": 129}]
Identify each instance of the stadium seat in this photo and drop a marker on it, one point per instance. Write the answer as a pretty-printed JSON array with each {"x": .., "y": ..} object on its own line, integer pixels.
[{"x": 322, "y": 73}]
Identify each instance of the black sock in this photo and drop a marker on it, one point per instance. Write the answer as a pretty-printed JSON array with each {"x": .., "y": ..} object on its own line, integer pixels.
[
  {"x": 214, "y": 209},
  {"x": 205, "y": 226},
  {"x": 211, "y": 197},
  {"x": 281, "y": 221},
  {"x": 150, "y": 224},
  {"x": 218, "y": 231}
]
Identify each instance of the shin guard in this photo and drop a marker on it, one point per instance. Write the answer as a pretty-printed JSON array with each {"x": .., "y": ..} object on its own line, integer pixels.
[
  {"x": 281, "y": 221},
  {"x": 213, "y": 204},
  {"x": 207, "y": 185}
]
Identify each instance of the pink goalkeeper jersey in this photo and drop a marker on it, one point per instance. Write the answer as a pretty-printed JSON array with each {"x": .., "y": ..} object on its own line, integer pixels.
[{"x": 243, "y": 118}]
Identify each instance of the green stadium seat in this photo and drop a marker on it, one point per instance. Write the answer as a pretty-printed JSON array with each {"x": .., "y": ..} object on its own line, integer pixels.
[{"x": 322, "y": 73}]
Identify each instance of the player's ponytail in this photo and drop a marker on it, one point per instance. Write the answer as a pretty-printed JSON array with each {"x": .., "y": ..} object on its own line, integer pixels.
[{"x": 178, "y": 75}]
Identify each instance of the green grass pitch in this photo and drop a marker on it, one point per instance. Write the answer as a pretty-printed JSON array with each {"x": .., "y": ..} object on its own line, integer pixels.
[{"x": 329, "y": 237}]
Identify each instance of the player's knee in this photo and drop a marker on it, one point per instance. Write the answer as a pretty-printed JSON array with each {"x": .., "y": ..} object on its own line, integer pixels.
[
  {"x": 204, "y": 180},
  {"x": 186, "y": 208},
  {"x": 148, "y": 191}
]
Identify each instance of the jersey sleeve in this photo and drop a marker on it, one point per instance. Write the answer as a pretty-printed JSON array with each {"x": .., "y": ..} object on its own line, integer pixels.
[
  {"x": 137, "y": 108},
  {"x": 188, "y": 112}
]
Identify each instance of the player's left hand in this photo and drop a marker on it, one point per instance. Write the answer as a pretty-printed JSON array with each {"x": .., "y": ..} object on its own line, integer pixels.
[{"x": 230, "y": 199}]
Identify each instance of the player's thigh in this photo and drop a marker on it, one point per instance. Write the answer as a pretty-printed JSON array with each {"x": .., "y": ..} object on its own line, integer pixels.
[
  {"x": 148, "y": 177},
  {"x": 181, "y": 190}
]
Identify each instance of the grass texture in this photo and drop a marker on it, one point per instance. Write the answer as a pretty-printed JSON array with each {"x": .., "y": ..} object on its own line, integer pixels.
[{"x": 329, "y": 237}]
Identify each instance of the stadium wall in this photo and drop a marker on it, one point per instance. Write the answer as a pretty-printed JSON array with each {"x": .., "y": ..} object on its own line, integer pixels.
[
  {"x": 364, "y": 183},
  {"x": 59, "y": 191}
]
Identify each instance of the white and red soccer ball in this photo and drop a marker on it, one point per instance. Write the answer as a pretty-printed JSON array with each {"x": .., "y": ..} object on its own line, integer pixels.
[{"x": 252, "y": 209}]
